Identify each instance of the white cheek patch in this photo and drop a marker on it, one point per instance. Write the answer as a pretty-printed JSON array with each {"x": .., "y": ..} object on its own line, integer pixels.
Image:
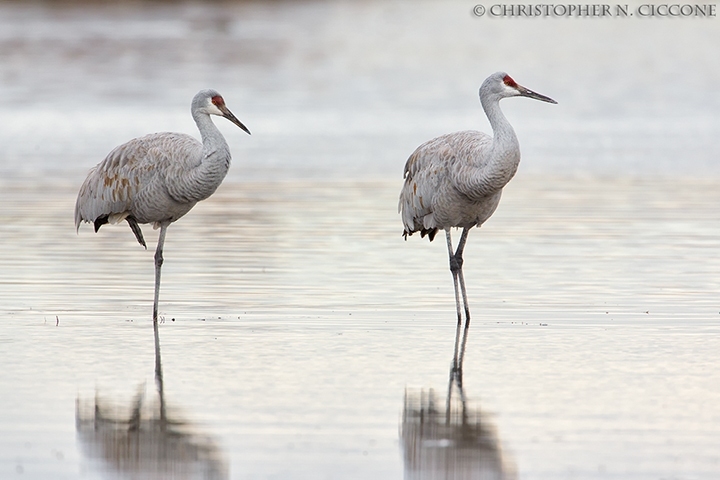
[{"x": 213, "y": 109}]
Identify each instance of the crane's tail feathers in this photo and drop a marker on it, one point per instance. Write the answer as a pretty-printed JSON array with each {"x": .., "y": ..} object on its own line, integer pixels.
[
  {"x": 99, "y": 222},
  {"x": 111, "y": 218},
  {"x": 136, "y": 230},
  {"x": 430, "y": 232}
]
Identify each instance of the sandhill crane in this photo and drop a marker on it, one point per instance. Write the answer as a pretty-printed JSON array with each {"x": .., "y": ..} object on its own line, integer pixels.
[
  {"x": 456, "y": 180},
  {"x": 158, "y": 178}
]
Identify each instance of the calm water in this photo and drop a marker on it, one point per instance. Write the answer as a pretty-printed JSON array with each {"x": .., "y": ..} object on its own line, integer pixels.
[
  {"x": 302, "y": 337},
  {"x": 290, "y": 344}
]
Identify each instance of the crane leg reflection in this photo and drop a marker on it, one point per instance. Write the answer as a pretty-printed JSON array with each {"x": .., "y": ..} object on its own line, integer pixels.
[
  {"x": 458, "y": 441},
  {"x": 147, "y": 439}
]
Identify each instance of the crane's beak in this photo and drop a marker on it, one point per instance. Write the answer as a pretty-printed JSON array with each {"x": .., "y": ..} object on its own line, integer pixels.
[
  {"x": 526, "y": 92},
  {"x": 229, "y": 115}
]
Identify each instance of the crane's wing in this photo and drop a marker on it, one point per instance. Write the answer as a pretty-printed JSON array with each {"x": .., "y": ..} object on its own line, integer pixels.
[
  {"x": 429, "y": 175},
  {"x": 424, "y": 173},
  {"x": 110, "y": 189}
]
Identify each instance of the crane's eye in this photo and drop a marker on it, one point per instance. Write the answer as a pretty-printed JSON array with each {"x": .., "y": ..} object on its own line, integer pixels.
[
  {"x": 218, "y": 101},
  {"x": 507, "y": 80}
]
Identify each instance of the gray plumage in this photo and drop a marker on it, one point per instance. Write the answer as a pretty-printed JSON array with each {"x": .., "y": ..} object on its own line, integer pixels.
[
  {"x": 158, "y": 178},
  {"x": 456, "y": 180}
]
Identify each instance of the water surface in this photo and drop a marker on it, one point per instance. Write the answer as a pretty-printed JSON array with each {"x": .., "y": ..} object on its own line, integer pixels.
[{"x": 297, "y": 320}]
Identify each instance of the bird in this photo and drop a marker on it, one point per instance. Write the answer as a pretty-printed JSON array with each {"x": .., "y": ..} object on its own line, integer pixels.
[
  {"x": 456, "y": 180},
  {"x": 158, "y": 178}
]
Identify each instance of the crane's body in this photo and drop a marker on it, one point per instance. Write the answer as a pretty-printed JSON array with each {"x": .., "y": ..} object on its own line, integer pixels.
[
  {"x": 456, "y": 180},
  {"x": 158, "y": 178},
  {"x": 436, "y": 195},
  {"x": 132, "y": 181}
]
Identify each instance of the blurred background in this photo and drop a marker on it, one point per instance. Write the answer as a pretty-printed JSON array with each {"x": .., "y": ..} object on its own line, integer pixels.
[{"x": 349, "y": 88}]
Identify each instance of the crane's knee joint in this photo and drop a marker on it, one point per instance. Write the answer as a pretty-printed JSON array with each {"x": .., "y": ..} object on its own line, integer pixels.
[
  {"x": 456, "y": 263},
  {"x": 158, "y": 259}
]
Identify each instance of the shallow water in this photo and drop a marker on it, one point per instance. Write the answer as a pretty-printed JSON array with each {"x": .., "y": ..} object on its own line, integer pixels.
[
  {"x": 301, "y": 336},
  {"x": 289, "y": 344}
]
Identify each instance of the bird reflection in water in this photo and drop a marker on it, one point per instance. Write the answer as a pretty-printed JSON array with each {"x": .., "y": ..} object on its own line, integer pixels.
[
  {"x": 455, "y": 442},
  {"x": 145, "y": 441}
]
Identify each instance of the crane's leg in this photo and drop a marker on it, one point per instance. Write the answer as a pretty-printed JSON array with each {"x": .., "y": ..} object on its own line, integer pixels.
[
  {"x": 158, "y": 265},
  {"x": 458, "y": 256},
  {"x": 456, "y": 263},
  {"x": 136, "y": 230},
  {"x": 454, "y": 269}
]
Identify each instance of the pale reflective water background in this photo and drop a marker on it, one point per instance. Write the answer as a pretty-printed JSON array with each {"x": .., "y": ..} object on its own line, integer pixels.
[
  {"x": 303, "y": 338},
  {"x": 593, "y": 348}
]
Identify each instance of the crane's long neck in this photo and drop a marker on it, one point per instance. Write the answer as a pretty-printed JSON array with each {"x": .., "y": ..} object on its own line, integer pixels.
[
  {"x": 504, "y": 156},
  {"x": 215, "y": 162}
]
